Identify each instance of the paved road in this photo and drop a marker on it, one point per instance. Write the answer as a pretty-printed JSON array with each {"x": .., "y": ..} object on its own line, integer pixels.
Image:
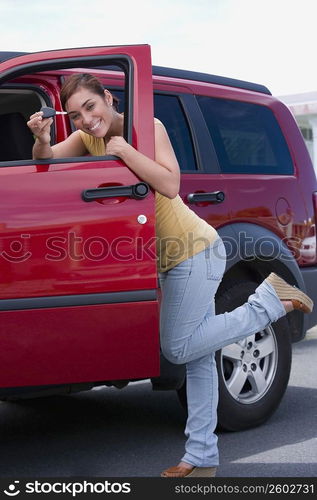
[
  {"x": 138, "y": 432},
  {"x": 287, "y": 445}
]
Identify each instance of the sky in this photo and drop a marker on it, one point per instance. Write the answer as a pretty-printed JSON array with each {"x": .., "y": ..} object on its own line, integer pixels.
[{"x": 271, "y": 42}]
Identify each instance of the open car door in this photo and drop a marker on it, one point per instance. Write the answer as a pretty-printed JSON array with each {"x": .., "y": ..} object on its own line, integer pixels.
[{"x": 78, "y": 285}]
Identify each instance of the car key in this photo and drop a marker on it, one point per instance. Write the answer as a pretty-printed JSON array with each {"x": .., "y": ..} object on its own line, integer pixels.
[{"x": 49, "y": 112}]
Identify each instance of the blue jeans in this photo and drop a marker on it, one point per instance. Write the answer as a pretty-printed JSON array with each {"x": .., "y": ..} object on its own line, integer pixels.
[{"x": 191, "y": 333}]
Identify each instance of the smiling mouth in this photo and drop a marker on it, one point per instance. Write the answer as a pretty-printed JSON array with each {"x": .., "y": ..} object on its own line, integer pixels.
[{"x": 94, "y": 127}]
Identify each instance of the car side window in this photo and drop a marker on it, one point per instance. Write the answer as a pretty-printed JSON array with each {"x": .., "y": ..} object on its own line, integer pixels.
[
  {"x": 246, "y": 137},
  {"x": 168, "y": 109}
]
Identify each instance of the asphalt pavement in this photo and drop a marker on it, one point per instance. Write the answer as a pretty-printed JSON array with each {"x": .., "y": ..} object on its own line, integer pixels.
[{"x": 135, "y": 432}]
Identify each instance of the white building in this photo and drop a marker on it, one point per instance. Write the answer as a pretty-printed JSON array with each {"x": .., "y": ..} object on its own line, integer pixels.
[{"x": 304, "y": 108}]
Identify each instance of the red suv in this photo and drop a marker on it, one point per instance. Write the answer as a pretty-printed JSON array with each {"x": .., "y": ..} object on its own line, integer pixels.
[{"x": 79, "y": 297}]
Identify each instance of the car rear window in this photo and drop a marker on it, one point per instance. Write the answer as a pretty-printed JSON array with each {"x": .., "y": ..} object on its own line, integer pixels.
[{"x": 246, "y": 136}]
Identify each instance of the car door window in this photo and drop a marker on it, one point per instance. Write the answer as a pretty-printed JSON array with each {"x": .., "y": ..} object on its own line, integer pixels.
[
  {"x": 19, "y": 100},
  {"x": 168, "y": 109}
]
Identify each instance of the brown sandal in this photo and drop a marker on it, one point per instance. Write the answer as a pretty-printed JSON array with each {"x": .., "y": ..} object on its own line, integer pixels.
[
  {"x": 179, "y": 471},
  {"x": 284, "y": 291}
]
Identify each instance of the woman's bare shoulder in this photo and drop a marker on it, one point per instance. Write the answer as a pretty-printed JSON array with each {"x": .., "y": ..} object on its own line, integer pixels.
[
  {"x": 158, "y": 122},
  {"x": 72, "y": 146}
]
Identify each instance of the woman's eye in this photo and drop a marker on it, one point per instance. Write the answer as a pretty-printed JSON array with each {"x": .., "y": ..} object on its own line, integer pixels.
[{"x": 90, "y": 107}]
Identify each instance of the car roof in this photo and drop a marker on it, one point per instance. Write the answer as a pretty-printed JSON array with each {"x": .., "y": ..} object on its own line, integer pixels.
[{"x": 182, "y": 74}]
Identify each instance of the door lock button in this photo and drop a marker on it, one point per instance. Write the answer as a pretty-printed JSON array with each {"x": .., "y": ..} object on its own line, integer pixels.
[{"x": 142, "y": 219}]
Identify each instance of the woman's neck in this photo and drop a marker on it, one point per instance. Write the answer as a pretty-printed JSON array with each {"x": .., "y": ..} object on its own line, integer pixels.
[{"x": 116, "y": 127}]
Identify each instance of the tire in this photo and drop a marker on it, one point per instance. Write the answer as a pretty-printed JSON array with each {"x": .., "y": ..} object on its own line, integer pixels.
[{"x": 263, "y": 379}]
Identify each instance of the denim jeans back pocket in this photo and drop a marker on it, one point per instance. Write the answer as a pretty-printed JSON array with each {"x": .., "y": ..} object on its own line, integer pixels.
[{"x": 215, "y": 258}]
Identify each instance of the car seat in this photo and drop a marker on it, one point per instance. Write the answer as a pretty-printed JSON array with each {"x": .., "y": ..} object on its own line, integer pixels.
[{"x": 16, "y": 139}]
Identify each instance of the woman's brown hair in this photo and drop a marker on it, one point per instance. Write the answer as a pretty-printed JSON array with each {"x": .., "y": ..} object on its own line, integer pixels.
[{"x": 87, "y": 81}]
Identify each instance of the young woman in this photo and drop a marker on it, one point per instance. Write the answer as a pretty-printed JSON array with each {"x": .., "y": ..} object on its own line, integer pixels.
[{"x": 190, "y": 331}]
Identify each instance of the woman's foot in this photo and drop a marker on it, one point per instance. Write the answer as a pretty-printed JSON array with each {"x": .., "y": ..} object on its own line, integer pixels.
[
  {"x": 186, "y": 470},
  {"x": 290, "y": 296}
]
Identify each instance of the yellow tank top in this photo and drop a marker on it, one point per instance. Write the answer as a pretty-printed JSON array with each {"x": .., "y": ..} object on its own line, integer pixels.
[{"x": 180, "y": 232}]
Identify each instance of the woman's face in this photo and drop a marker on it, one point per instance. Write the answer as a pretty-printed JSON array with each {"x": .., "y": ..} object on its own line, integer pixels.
[{"x": 90, "y": 112}]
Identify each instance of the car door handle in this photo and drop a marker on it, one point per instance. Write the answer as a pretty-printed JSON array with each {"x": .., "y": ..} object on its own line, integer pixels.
[
  {"x": 214, "y": 197},
  {"x": 136, "y": 191}
]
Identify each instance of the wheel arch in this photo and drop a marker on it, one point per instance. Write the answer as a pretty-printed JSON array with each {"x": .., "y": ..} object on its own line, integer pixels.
[{"x": 252, "y": 253}]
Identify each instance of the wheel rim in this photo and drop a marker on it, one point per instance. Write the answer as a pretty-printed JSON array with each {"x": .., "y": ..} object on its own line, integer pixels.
[{"x": 248, "y": 367}]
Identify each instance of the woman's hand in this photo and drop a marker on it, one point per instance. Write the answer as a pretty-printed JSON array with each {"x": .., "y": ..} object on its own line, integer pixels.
[
  {"x": 162, "y": 172},
  {"x": 40, "y": 127},
  {"x": 117, "y": 146}
]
